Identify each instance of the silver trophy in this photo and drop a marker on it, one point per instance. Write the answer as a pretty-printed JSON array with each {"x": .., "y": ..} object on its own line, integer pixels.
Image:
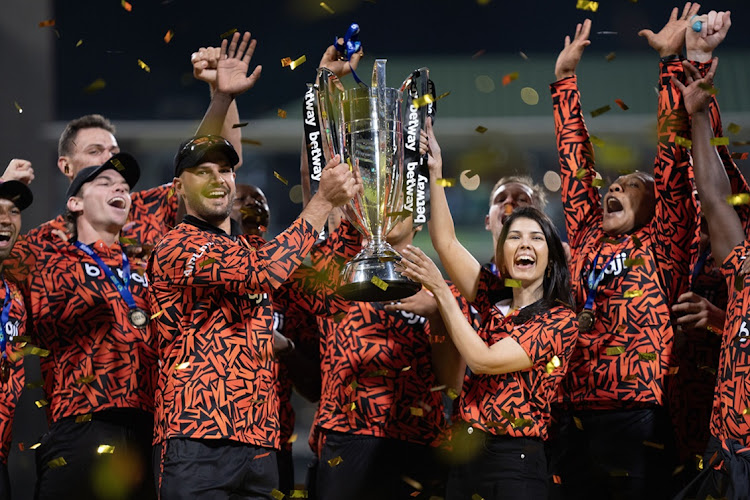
[{"x": 365, "y": 126}]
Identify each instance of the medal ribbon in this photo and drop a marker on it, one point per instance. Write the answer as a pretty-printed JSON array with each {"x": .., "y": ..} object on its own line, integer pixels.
[
  {"x": 594, "y": 279},
  {"x": 7, "y": 303},
  {"x": 122, "y": 286},
  {"x": 351, "y": 46},
  {"x": 699, "y": 266}
]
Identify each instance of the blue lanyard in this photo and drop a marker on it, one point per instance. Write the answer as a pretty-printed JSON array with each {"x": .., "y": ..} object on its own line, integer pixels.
[
  {"x": 7, "y": 303},
  {"x": 699, "y": 266},
  {"x": 594, "y": 279},
  {"x": 122, "y": 286}
]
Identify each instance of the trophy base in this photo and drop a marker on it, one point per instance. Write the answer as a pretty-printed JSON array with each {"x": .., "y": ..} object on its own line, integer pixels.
[{"x": 361, "y": 277}]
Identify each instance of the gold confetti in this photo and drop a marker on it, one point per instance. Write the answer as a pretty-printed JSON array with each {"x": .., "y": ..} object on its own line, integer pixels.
[
  {"x": 36, "y": 351},
  {"x": 292, "y": 438},
  {"x": 56, "y": 463},
  {"x": 352, "y": 386},
  {"x": 35, "y": 446},
  {"x": 182, "y": 366},
  {"x": 297, "y": 62},
  {"x": 634, "y": 262},
  {"x": 678, "y": 470},
  {"x": 619, "y": 473},
  {"x": 286, "y": 61},
  {"x": 298, "y": 494},
  {"x": 379, "y": 283},
  {"x": 377, "y": 373},
  {"x": 157, "y": 314},
  {"x": 280, "y": 178},
  {"x": 277, "y": 494},
  {"x": 720, "y": 141},
  {"x": 481, "y": 129},
  {"x": 636, "y": 241},
  {"x": 629, "y": 294},
  {"x": 509, "y": 78},
  {"x": 206, "y": 262},
  {"x": 610, "y": 57},
  {"x": 34, "y": 385},
  {"x": 416, "y": 412},
  {"x": 105, "y": 449},
  {"x": 335, "y": 461},
  {"x": 597, "y": 182},
  {"x": 326, "y": 8},
  {"x": 647, "y": 356},
  {"x": 229, "y": 33},
  {"x": 630, "y": 378},
  {"x": 18, "y": 107},
  {"x": 95, "y": 86},
  {"x": 423, "y": 101},
  {"x": 451, "y": 393},
  {"x": 733, "y": 128},
  {"x": 48, "y": 22},
  {"x": 615, "y": 351},
  {"x": 556, "y": 479},
  {"x": 477, "y": 496},
  {"x": 709, "y": 88},
  {"x": 738, "y": 199},
  {"x": 746, "y": 411},
  {"x": 281, "y": 113},
  {"x": 681, "y": 141},
  {"x": 144, "y": 66},
  {"x": 446, "y": 182},
  {"x": 673, "y": 370},
  {"x": 517, "y": 423},
  {"x": 41, "y": 402},
  {"x": 622, "y": 105},
  {"x": 600, "y": 111},
  {"x": 168, "y": 36},
  {"x": 511, "y": 283},
  {"x": 581, "y": 173},
  {"x": 413, "y": 483},
  {"x": 596, "y": 141},
  {"x": 438, "y": 388},
  {"x": 86, "y": 380},
  {"x": 126, "y": 5},
  {"x": 524, "y": 56},
  {"x": 529, "y": 96},
  {"x": 406, "y": 368},
  {"x": 651, "y": 444},
  {"x": 84, "y": 418},
  {"x": 587, "y": 5},
  {"x": 79, "y": 43},
  {"x": 553, "y": 364}
]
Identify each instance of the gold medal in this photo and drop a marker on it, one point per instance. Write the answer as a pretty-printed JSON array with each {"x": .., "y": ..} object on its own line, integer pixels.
[
  {"x": 138, "y": 318},
  {"x": 585, "y": 320}
]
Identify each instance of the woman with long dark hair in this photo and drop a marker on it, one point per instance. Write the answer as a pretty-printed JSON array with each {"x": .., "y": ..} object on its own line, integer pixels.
[{"x": 520, "y": 353}]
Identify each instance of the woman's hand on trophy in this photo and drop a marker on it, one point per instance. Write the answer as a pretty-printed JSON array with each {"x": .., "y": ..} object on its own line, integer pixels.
[
  {"x": 428, "y": 144},
  {"x": 332, "y": 60},
  {"x": 417, "y": 266}
]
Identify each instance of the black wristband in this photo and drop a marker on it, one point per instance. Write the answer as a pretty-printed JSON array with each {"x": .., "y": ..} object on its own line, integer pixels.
[{"x": 670, "y": 58}]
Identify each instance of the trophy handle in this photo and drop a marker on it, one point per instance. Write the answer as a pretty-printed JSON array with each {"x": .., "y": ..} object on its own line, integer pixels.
[{"x": 328, "y": 95}]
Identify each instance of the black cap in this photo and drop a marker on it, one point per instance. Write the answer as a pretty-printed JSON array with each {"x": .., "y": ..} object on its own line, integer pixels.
[
  {"x": 17, "y": 192},
  {"x": 192, "y": 152},
  {"x": 123, "y": 163}
]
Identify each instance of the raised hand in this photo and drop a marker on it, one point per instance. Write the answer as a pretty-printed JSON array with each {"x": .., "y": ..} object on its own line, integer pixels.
[
  {"x": 422, "y": 304},
  {"x": 700, "y": 46},
  {"x": 416, "y": 265},
  {"x": 571, "y": 54},
  {"x": 671, "y": 38},
  {"x": 234, "y": 61},
  {"x": 340, "y": 67},
  {"x": 205, "y": 62},
  {"x": 428, "y": 144},
  {"x": 18, "y": 170},
  {"x": 696, "y": 94}
]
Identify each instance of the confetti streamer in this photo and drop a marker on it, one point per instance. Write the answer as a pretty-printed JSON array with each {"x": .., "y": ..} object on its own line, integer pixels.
[
  {"x": 647, "y": 356},
  {"x": 615, "y": 351},
  {"x": 182, "y": 366},
  {"x": 144, "y": 66},
  {"x": 529, "y": 96},
  {"x": 733, "y": 128},
  {"x": 634, "y": 262},
  {"x": 446, "y": 182},
  {"x": 280, "y": 178},
  {"x": 481, "y": 129},
  {"x": 553, "y": 364},
  {"x": 105, "y": 449},
  {"x": 277, "y": 495},
  {"x": 423, "y": 101},
  {"x": 229, "y": 33},
  {"x": 327, "y": 8},
  {"x": 157, "y": 314},
  {"x": 416, "y": 412},
  {"x": 379, "y": 283},
  {"x": 610, "y": 57},
  {"x": 297, "y": 62},
  {"x": 281, "y": 113},
  {"x": 738, "y": 199},
  {"x": 739, "y": 156},
  {"x": 511, "y": 283},
  {"x": 95, "y": 86},
  {"x": 168, "y": 36},
  {"x": 335, "y": 461},
  {"x": 126, "y": 5},
  {"x": 509, "y": 78},
  {"x": 629, "y": 294},
  {"x": 80, "y": 419},
  {"x": 86, "y": 380},
  {"x": 41, "y": 403},
  {"x": 720, "y": 141},
  {"x": 600, "y": 111},
  {"x": 56, "y": 463},
  {"x": 587, "y": 5},
  {"x": 206, "y": 262},
  {"x": 18, "y": 107},
  {"x": 622, "y": 105},
  {"x": 48, "y": 22}
]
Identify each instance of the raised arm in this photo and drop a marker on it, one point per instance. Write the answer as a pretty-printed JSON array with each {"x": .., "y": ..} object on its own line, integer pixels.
[
  {"x": 710, "y": 176},
  {"x": 462, "y": 268},
  {"x": 229, "y": 80}
]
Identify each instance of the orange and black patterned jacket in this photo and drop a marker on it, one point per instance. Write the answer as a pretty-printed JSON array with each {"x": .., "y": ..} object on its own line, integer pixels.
[
  {"x": 627, "y": 357},
  {"x": 10, "y": 390}
]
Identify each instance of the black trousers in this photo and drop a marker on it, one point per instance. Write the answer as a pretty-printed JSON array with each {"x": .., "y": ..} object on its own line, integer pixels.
[
  {"x": 497, "y": 468},
  {"x": 107, "y": 457},
  {"x": 374, "y": 468},
  {"x": 214, "y": 469},
  {"x": 726, "y": 473},
  {"x": 285, "y": 465},
  {"x": 4, "y": 482},
  {"x": 612, "y": 455}
]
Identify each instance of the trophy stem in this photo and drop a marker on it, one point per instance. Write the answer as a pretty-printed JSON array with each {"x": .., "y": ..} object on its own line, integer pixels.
[{"x": 371, "y": 276}]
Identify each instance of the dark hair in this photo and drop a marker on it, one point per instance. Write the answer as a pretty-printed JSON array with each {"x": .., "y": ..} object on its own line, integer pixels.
[
  {"x": 538, "y": 196},
  {"x": 71, "y": 223},
  {"x": 556, "y": 284},
  {"x": 64, "y": 145}
]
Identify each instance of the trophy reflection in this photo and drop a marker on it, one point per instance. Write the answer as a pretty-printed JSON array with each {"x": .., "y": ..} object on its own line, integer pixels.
[{"x": 365, "y": 126}]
